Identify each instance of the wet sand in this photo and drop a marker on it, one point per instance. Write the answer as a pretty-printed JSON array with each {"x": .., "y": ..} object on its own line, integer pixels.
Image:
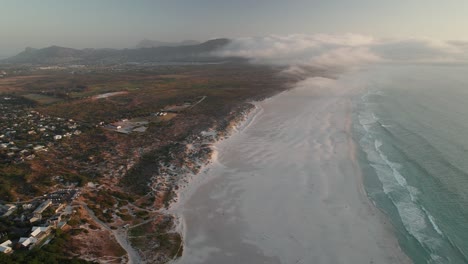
[{"x": 287, "y": 189}]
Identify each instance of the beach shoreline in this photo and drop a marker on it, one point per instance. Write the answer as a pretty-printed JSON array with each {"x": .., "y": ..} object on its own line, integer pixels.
[
  {"x": 383, "y": 218},
  {"x": 190, "y": 182},
  {"x": 206, "y": 176}
]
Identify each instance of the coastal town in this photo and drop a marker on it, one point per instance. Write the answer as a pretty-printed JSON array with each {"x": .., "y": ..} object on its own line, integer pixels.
[
  {"x": 93, "y": 157},
  {"x": 27, "y": 225},
  {"x": 25, "y": 132}
]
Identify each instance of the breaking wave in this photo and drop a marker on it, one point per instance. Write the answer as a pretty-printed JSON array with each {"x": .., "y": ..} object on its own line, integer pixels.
[{"x": 416, "y": 219}]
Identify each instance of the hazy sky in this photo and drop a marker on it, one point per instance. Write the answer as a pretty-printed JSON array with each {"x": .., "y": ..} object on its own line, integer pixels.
[{"x": 119, "y": 23}]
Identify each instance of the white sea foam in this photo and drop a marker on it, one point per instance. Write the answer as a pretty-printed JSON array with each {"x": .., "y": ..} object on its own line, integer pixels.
[
  {"x": 405, "y": 197},
  {"x": 433, "y": 222}
]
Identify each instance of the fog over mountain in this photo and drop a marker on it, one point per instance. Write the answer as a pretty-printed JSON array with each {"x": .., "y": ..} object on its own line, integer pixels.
[
  {"x": 299, "y": 51},
  {"x": 339, "y": 52}
]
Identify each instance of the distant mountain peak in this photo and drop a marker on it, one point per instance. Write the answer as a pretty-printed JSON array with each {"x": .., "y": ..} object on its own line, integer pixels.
[
  {"x": 29, "y": 49},
  {"x": 182, "y": 52},
  {"x": 148, "y": 43}
]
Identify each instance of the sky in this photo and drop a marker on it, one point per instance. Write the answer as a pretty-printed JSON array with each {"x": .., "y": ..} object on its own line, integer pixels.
[{"x": 122, "y": 24}]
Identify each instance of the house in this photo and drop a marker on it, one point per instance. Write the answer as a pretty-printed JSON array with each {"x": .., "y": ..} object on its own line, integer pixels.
[
  {"x": 34, "y": 219},
  {"x": 41, "y": 208},
  {"x": 7, "y": 209},
  {"x": 40, "y": 232},
  {"x": 60, "y": 207},
  {"x": 54, "y": 220},
  {"x": 5, "y": 247},
  {"x": 27, "y": 241}
]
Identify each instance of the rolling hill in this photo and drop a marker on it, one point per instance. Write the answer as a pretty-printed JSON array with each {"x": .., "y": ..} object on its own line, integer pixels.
[{"x": 62, "y": 55}]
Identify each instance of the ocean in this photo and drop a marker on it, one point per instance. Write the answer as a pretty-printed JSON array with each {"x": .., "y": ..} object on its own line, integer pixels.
[{"x": 411, "y": 124}]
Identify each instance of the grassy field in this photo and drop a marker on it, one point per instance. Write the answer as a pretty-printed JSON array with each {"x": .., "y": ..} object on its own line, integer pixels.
[
  {"x": 148, "y": 90},
  {"x": 42, "y": 99}
]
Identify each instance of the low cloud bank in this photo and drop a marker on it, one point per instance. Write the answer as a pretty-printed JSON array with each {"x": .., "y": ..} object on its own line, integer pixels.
[{"x": 341, "y": 52}]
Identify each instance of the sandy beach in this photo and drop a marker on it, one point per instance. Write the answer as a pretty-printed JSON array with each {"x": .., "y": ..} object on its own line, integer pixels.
[{"x": 287, "y": 189}]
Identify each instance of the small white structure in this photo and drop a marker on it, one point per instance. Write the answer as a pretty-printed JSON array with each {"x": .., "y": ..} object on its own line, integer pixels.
[
  {"x": 39, "y": 148},
  {"x": 41, "y": 208},
  {"x": 57, "y": 137},
  {"x": 5, "y": 247},
  {"x": 38, "y": 231},
  {"x": 34, "y": 219},
  {"x": 8, "y": 209},
  {"x": 27, "y": 241}
]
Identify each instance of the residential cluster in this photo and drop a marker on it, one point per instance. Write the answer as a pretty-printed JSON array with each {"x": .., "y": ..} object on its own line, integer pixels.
[
  {"x": 32, "y": 222},
  {"x": 25, "y": 132}
]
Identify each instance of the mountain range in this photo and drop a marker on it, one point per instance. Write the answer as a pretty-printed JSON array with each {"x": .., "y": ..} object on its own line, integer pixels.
[
  {"x": 148, "y": 43},
  {"x": 178, "y": 52}
]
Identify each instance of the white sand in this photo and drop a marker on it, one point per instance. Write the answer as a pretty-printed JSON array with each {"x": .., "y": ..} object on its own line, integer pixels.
[{"x": 287, "y": 189}]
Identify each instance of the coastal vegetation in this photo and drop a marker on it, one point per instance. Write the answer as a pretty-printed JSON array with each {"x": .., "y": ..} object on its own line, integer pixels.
[{"x": 72, "y": 119}]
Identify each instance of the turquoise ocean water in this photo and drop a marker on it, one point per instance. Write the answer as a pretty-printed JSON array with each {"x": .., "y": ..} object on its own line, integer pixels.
[{"x": 411, "y": 126}]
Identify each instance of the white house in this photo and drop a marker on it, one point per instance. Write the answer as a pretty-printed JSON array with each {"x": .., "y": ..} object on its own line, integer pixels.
[
  {"x": 5, "y": 247},
  {"x": 27, "y": 241},
  {"x": 38, "y": 231},
  {"x": 41, "y": 208}
]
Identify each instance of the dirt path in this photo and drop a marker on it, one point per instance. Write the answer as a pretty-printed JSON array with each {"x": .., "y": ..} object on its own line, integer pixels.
[{"x": 120, "y": 237}]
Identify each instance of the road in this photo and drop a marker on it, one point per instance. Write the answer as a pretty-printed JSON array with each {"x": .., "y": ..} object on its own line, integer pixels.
[{"x": 120, "y": 237}]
